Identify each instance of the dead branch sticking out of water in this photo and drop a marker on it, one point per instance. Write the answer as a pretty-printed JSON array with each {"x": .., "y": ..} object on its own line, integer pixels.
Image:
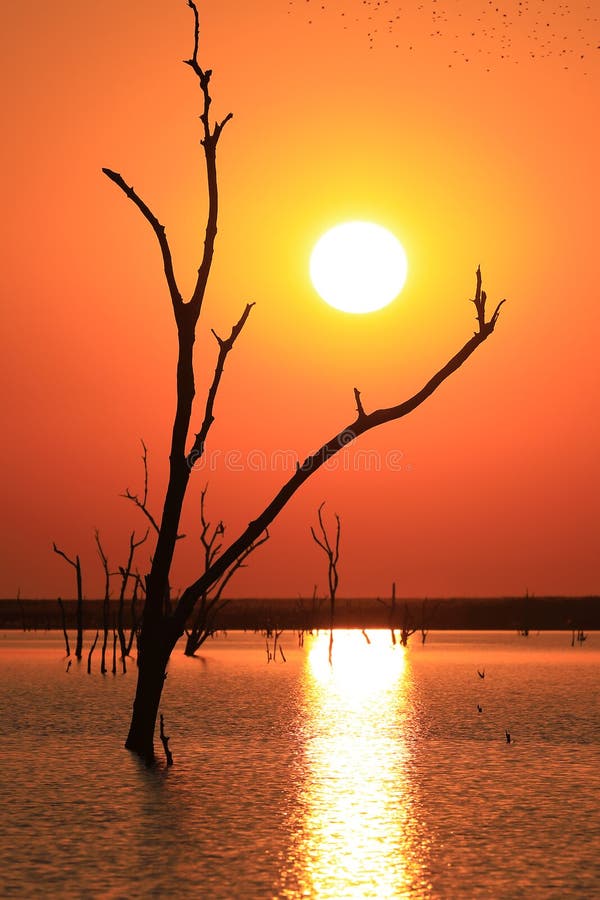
[
  {"x": 165, "y": 741},
  {"x": 272, "y": 653},
  {"x": 114, "y": 649},
  {"x": 64, "y": 627},
  {"x": 92, "y": 648},
  {"x": 105, "y": 602},
  {"x": 332, "y": 551},
  {"x": 126, "y": 573},
  {"x": 77, "y": 566}
]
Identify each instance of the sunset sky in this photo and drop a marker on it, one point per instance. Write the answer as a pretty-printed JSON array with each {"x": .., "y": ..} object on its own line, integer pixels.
[{"x": 467, "y": 128}]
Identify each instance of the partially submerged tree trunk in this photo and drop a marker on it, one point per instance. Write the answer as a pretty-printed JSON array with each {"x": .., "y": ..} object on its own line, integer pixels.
[
  {"x": 332, "y": 551},
  {"x": 162, "y": 626},
  {"x": 392, "y": 614},
  {"x": 64, "y": 627},
  {"x": 126, "y": 573},
  {"x": 79, "y": 610},
  {"x": 105, "y": 603},
  {"x": 92, "y": 648}
]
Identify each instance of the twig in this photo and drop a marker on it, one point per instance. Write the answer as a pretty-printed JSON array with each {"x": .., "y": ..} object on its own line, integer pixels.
[
  {"x": 165, "y": 741},
  {"x": 225, "y": 347}
]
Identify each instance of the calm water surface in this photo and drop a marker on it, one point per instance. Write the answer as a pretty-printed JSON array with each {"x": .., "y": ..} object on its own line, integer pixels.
[{"x": 376, "y": 777}]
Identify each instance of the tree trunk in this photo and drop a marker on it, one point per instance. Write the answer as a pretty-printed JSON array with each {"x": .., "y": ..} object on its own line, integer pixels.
[
  {"x": 79, "y": 643},
  {"x": 152, "y": 665},
  {"x": 160, "y": 631}
]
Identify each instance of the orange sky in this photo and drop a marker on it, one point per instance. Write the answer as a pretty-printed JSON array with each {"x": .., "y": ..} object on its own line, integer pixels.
[{"x": 467, "y": 128}]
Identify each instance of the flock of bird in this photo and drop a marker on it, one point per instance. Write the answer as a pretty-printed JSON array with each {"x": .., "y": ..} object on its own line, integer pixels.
[{"x": 467, "y": 31}]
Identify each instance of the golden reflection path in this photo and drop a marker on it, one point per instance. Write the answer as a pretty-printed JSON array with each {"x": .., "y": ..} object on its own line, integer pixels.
[{"x": 358, "y": 834}]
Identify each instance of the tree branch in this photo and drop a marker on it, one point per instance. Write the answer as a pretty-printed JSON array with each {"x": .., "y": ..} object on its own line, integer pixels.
[
  {"x": 125, "y": 571},
  {"x": 62, "y": 553},
  {"x": 142, "y": 504},
  {"x": 312, "y": 463},
  {"x": 359, "y": 407},
  {"x": 104, "y": 560},
  {"x": 225, "y": 346},
  {"x": 159, "y": 231},
  {"x": 211, "y": 548},
  {"x": 209, "y": 143},
  {"x": 240, "y": 564}
]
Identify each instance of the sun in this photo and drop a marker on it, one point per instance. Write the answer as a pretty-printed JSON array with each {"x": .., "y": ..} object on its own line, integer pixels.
[{"x": 358, "y": 267}]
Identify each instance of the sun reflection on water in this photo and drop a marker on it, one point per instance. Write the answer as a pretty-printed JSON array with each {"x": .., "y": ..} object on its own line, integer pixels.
[{"x": 358, "y": 836}]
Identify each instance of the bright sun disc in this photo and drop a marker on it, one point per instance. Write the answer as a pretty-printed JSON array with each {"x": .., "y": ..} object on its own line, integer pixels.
[{"x": 358, "y": 267}]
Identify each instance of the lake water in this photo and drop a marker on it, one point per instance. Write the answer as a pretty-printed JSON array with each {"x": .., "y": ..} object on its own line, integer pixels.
[{"x": 376, "y": 777}]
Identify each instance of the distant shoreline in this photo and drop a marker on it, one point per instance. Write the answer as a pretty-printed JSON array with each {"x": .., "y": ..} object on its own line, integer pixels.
[{"x": 248, "y": 614}]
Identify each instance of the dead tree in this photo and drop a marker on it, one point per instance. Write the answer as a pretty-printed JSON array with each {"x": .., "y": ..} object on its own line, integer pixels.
[
  {"x": 92, "y": 648},
  {"x": 408, "y": 628},
  {"x": 332, "y": 551},
  {"x": 210, "y": 603},
  {"x": 64, "y": 627},
  {"x": 126, "y": 573},
  {"x": 142, "y": 504},
  {"x": 525, "y": 615},
  {"x": 105, "y": 602},
  {"x": 79, "y": 614},
  {"x": 427, "y": 615},
  {"x": 161, "y": 629},
  {"x": 22, "y": 612},
  {"x": 392, "y": 612}
]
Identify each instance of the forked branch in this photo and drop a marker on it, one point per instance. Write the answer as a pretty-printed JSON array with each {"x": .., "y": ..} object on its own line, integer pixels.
[
  {"x": 210, "y": 601},
  {"x": 210, "y": 542},
  {"x": 479, "y": 301},
  {"x": 364, "y": 422},
  {"x": 209, "y": 142},
  {"x": 225, "y": 346},
  {"x": 332, "y": 550},
  {"x": 142, "y": 502}
]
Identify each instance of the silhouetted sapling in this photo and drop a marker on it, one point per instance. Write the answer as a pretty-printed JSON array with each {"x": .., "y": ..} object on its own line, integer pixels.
[
  {"x": 79, "y": 614},
  {"x": 210, "y": 601},
  {"x": 332, "y": 551}
]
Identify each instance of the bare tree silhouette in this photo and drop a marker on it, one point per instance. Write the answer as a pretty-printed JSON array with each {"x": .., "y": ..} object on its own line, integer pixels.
[
  {"x": 162, "y": 626},
  {"x": 126, "y": 574},
  {"x": 105, "y": 601},
  {"x": 76, "y": 563},
  {"x": 332, "y": 551},
  {"x": 392, "y": 612},
  {"x": 210, "y": 601},
  {"x": 63, "y": 619}
]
